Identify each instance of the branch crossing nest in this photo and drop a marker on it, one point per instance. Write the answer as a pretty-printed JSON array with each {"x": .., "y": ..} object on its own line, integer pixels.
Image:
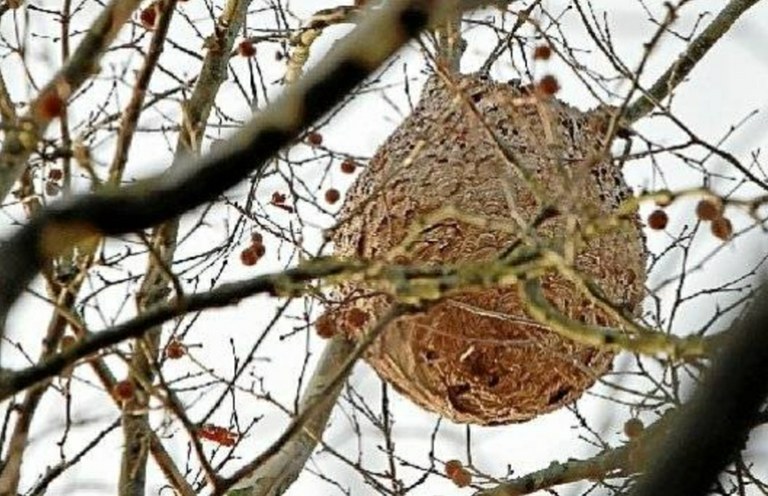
[{"x": 475, "y": 356}]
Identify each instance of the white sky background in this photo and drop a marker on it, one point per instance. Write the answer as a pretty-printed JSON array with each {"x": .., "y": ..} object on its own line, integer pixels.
[{"x": 724, "y": 88}]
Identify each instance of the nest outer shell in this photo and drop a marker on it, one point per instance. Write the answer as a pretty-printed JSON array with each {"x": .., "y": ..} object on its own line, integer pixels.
[{"x": 476, "y": 357}]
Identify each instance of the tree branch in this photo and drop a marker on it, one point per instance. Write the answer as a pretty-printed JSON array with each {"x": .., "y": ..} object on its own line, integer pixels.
[
  {"x": 20, "y": 142},
  {"x": 685, "y": 63},
  {"x": 275, "y": 476},
  {"x": 161, "y": 198},
  {"x": 714, "y": 425}
]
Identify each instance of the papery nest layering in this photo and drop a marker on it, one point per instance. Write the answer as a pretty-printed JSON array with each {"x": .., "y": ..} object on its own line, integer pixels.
[{"x": 501, "y": 152}]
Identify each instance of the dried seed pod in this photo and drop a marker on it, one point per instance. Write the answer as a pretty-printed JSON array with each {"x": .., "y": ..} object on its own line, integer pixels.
[{"x": 475, "y": 356}]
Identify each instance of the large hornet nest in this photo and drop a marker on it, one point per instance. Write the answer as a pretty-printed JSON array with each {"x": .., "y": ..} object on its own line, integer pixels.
[{"x": 476, "y": 356}]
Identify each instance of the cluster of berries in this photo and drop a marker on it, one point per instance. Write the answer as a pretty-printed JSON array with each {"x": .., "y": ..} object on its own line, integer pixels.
[
  {"x": 708, "y": 210},
  {"x": 254, "y": 252}
]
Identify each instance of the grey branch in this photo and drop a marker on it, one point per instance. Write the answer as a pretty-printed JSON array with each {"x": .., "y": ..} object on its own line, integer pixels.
[
  {"x": 19, "y": 143},
  {"x": 698, "y": 48},
  {"x": 159, "y": 199},
  {"x": 275, "y": 476}
]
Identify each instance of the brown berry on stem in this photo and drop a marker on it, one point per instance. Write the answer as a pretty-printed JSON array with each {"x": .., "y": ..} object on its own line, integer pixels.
[
  {"x": 452, "y": 467},
  {"x": 357, "y": 318},
  {"x": 258, "y": 249},
  {"x": 246, "y": 48},
  {"x": 542, "y": 52},
  {"x": 174, "y": 349},
  {"x": 658, "y": 220},
  {"x": 123, "y": 390},
  {"x": 315, "y": 139},
  {"x": 348, "y": 166},
  {"x": 722, "y": 228},
  {"x": 332, "y": 196},
  {"x": 249, "y": 256},
  {"x": 548, "y": 85},
  {"x": 325, "y": 327},
  {"x": 148, "y": 17},
  {"x": 708, "y": 209},
  {"x": 462, "y": 478},
  {"x": 278, "y": 198}
]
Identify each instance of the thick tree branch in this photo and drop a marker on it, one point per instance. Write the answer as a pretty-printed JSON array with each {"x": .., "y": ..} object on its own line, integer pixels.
[
  {"x": 162, "y": 198},
  {"x": 714, "y": 425}
]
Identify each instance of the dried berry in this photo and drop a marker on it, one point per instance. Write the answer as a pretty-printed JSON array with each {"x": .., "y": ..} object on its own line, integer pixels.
[
  {"x": 633, "y": 428},
  {"x": 256, "y": 238},
  {"x": 348, "y": 166},
  {"x": 217, "y": 434},
  {"x": 462, "y": 478},
  {"x": 148, "y": 17},
  {"x": 452, "y": 467},
  {"x": 258, "y": 249},
  {"x": 175, "y": 350},
  {"x": 708, "y": 209},
  {"x": 548, "y": 85},
  {"x": 722, "y": 228},
  {"x": 315, "y": 139},
  {"x": 325, "y": 327},
  {"x": 332, "y": 196},
  {"x": 249, "y": 257},
  {"x": 658, "y": 220},
  {"x": 246, "y": 48},
  {"x": 278, "y": 198},
  {"x": 55, "y": 174},
  {"x": 542, "y": 52},
  {"x": 124, "y": 390},
  {"x": 356, "y": 317},
  {"x": 51, "y": 105}
]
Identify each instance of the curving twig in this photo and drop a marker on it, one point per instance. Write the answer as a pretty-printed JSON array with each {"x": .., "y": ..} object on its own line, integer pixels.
[
  {"x": 276, "y": 474},
  {"x": 161, "y": 198},
  {"x": 685, "y": 63},
  {"x": 22, "y": 140}
]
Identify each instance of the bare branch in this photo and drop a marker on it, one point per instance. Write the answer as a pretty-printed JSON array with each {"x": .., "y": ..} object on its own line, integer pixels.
[
  {"x": 161, "y": 198},
  {"x": 673, "y": 76},
  {"x": 275, "y": 476},
  {"x": 19, "y": 143}
]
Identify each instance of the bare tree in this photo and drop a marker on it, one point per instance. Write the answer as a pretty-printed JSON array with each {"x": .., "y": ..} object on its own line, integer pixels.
[{"x": 179, "y": 287}]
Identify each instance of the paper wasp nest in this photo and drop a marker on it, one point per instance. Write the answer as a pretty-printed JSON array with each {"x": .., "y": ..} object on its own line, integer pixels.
[{"x": 476, "y": 356}]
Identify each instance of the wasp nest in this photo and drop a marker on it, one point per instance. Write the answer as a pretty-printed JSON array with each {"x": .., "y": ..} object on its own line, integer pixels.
[{"x": 475, "y": 356}]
